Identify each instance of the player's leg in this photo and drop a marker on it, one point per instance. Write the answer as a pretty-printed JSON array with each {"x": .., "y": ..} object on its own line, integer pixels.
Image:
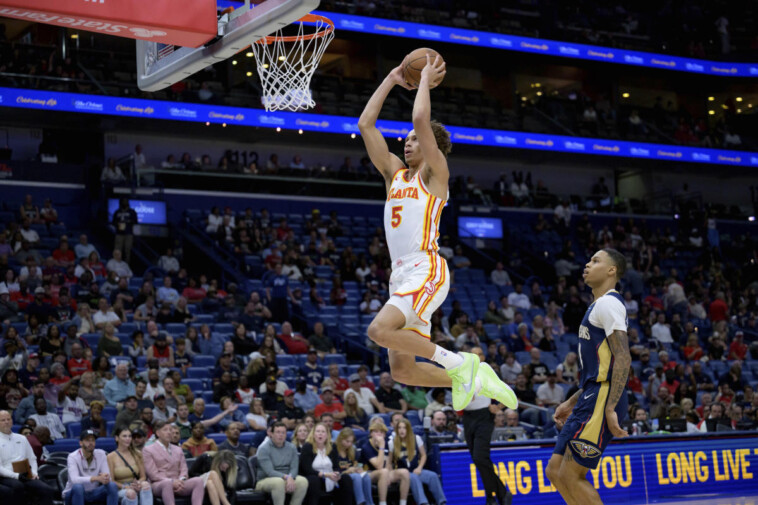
[
  {"x": 575, "y": 477},
  {"x": 387, "y": 330},
  {"x": 406, "y": 370},
  {"x": 553, "y": 473}
]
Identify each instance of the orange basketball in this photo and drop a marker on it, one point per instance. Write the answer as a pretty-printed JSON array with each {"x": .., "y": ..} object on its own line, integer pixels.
[{"x": 415, "y": 62}]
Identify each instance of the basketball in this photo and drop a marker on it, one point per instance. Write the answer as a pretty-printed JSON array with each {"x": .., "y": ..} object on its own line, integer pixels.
[{"x": 415, "y": 62}]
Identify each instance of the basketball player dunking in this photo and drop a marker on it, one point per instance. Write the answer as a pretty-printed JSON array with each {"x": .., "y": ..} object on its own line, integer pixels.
[
  {"x": 600, "y": 404},
  {"x": 420, "y": 278}
]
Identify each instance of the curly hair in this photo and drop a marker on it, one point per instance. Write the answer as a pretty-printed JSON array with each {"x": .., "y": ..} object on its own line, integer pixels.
[{"x": 442, "y": 137}]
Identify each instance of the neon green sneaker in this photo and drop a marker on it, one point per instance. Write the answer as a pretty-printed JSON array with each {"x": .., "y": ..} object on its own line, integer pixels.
[
  {"x": 495, "y": 388},
  {"x": 464, "y": 380}
]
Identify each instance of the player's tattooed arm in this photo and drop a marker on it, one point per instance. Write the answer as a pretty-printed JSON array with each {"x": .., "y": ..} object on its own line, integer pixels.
[{"x": 622, "y": 359}]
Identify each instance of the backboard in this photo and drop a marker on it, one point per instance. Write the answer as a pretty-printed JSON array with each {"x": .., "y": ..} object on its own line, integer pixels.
[{"x": 161, "y": 65}]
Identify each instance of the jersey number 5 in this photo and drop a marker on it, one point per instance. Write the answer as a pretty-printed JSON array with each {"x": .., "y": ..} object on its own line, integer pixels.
[{"x": 396, "y": 217}]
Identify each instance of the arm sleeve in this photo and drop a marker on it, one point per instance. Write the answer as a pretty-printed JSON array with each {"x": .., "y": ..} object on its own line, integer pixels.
[
  {"x": 183, "y": 467},
  {"x": 294, "y": 461},
  {"x": 264, "y": 461},
  {"x": 609, "y": 314},
  {"x": 306, "y": 460}
]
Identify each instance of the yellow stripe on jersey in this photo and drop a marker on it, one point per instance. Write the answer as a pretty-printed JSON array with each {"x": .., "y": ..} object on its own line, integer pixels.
[
  {"x": 604, "y": 356},
  {"x": 414, "y": 330},
  {"x": 591, "y": 431},
  {"x": 429, "y": 278}
]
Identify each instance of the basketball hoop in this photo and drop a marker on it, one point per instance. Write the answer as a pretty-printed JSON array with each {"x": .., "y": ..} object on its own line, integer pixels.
[{"x": 286, "y": 63}]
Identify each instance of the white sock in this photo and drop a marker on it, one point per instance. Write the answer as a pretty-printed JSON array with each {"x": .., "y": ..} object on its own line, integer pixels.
[{"x": 447, "y": 359}]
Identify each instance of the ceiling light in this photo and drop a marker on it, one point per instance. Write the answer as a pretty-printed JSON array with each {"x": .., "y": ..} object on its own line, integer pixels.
[
  {"x": 352, "y": 135},
  {"x": 75, "y": 36},
  {"x": 265, "y": 65},
  {"x": 223, "y": 125},
  {"x": 710, "y": 98},
  {"x": 282, "y": 58},
  {"x": 234, "y": 62},
  {"x": 739, "y": 98},
  {"x": 249, "y": 74},
  {"x": 300, "y": 131},
  {"x": 278, "y": 128},
  {"x": 539, "y": 93},
  {"x": 249, "y": 54},
  {"x": 711, "y": 112},
  {"x": 625, "y": 95}
]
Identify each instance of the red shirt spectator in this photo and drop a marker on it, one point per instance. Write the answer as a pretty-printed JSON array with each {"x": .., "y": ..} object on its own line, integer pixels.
[
  {"x": 635, "y": 384},
  {"x": 329, "y": 405},
  {"x": 64, "y": 257},
  {"x": 671, "y": 386},
  {"x": 193, "y": 293},
  {"x": 738, "y": 349},
  {"x": 718, "y": 309},
  {"x": 78, "y": 366},
  {"x": 294, "y": 343}
]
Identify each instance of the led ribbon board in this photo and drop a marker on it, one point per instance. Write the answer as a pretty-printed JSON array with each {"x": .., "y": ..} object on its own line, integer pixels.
[
  {"x": 156, "y": 109},
  {"x": 434, "y": 33}
]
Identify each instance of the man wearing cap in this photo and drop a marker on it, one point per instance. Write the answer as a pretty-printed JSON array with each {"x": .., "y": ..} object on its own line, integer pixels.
[
  {"x": 128, "y": 414},
  {"x": 271, "y": 399},
  {"x": 39, "y": 308},
  {"x": 161, "y": 351},
  {"x": 305, "y": 397},
  {"x": 549, "y": 394},
  {"x": 161, "y": 412},
  {"x": 225, "y": 364},
  {"x": 289, "y": 413},
  {"x": 366, "y": 398},
  {"x": 341, "y": 384},
  {"x": 119, "y": 387},
  {"x": 8, "y": 309},
  {"x": 138, "y": 436},
  {"x": 26, "y": 406},
  {"x": 89, "y": 477},
  {"x": 311, "y": 371},
  {"x": 72, "y": 404},
  {"x": 166, "y": 468},
  {"x": 16, "y": 448},
  {"x": 329, "y": 405},
  {"x": 28, "y": 375}
]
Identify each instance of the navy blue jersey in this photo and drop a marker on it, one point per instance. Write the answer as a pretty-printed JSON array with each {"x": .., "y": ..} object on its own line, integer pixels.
[{"x": 605, "y": 315}]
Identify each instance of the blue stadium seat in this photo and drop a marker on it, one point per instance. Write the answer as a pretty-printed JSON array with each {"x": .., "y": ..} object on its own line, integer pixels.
[
  {"x": 223, "y": 328},
  {"x": 204, "y": 360},
  {"x": 127, "y": 328},
  {"x": 334, "y": 358},
  {"x": 65, "y": 445},
  {"x": 212, "y": 409},
  {"x": 109, "y": 413},
  {"x": 198, "y": 373},
  {"x": 285, "y": 360},
  {"x": 176, "y": 328},
  {"x": 73, "y": 430},
  {"x": 207, "y": 396},
  {"x": 216, "y": 437},
  {"x": 523, "y": 357},
  {"x": 204, "y": 319},
  {"x": 195, "y": 385},
  {"x": 92, "y": 339}
]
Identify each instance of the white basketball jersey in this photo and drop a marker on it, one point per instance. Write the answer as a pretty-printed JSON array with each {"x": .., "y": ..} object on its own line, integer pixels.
[{"x": 411, "y": 216}]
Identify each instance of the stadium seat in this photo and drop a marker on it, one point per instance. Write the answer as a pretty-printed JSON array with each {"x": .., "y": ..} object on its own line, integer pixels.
[
  {"x": 195, "y": 385},
  {"x": 203, "y": 360},
  {"x": 285, "y": 360},
  {"x": 176, "y": 328},
  {"x": 198, "y": 373},
  {"x": 73, "y": 430},
  {"x": 109, "y": 413},
  {"x": 334, "y": 358}
]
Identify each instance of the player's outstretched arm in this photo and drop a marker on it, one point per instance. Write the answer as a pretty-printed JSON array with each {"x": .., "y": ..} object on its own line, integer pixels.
[
  {"x": 386, "y": 162},
  {"x": 622, "y": 359},
  {"x": 434, "y": 71},
  {"x": 564, "y": 409}
]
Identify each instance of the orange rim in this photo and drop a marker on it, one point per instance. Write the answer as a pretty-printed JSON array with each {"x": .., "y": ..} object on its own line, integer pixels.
[{"x": 308, "y": 18}]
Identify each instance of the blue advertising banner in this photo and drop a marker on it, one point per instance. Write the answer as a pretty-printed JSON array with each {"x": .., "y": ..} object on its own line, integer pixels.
[
  {"x": 434, "y": 33},
  {"x": 632, "y": 471},
  {"x": 218, "y": 114},
  {"x": 148, "y": 211}
]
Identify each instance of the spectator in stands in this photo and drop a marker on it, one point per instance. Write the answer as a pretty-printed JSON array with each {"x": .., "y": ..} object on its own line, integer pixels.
[
  {"x": 95, "y": 421},
  {"x": 109, "y": 344},
  {"x": 29, "y": 234},
  {"x": 127, "y": 469},
  {"x": 317, "y": 466},
  {"x": 169, "y": 263},
  {"x": 661, "y": 331},
  {"x": 305, "y": 397},
  {"x": 526, "y": 394},
  {"x": 738, "y": 349},
  {"x": 16, "y": 448},
  {"x": 64, "y": 257},
  {"x": 270, "y": 398},
  {"x": 518, "y": 299},
  {"x": 128, "y": 414},
  {"x": 278, "y": 468},
  {"x": 48, "y": 420},
  {"x": 718, "y": 310},
  {"x": 105, "y": 315},
  {"x": 407, "y": 451},
  {"x": 374, "y": 456},
  {"x": 714, "y": 418},
  {"x": 112, "y": 173},
  {"x": 120, "y": 387},
  {"x": 225, "y": 365},
  {"x": 311, "y": 370},
  {"x": 389, "y": 397},
  {"x": 83, "y": 249},
  {"x": 567, "y": 372},
  {"x": 438, "y": 430},
  {"x": 162, "y": 412},
  {"x": 166, "y": 468},
  {"x": 167, "y": 293},
  {"x": 294, "y": 342},
  {"x": 198, "y": 443},
  {"x": 549, "y": 394},
  {"x": 460, "y": 261},
  {"x": 72, "y": 407},
  {"x": 118, "y": 265},
  {"x": 147, "y": 311},
  {"x": 89, "y": 478},
  {"x": 562, "y": 216},
  {"x": 331, "y": 406},
  {"x": 320, "y": 341},
  {"x": 87, "y": 391},
  {"x": 499, "y": 275},
  {"x": 232, "y": 442}
]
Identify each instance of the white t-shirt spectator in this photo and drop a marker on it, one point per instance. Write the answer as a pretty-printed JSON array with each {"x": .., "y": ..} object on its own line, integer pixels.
[
  {"x": 662, "y": 333},
  {"x": 519, "y": 300},
  {"x": 30, "y": 235},
  {"x": 563, "y": 213},
  {"x": 373, "y": 305},
  {"x": 107, "y": 317},
  {"x": 120, "y": 267},
  {"x": 168, "y": 263},
  {"x": 214, "y": 222},
  {"x": 510, "y": 372},
  {"x": 53, "y": 423},
  {"x": 73, "y": 410},
  {"x": 550, "y": 396},
  {"x": 632, "y": 307}
]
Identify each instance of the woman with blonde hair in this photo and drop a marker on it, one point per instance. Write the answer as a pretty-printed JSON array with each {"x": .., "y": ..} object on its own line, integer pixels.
[
  {"x": 355, "y": 417},
  {"x": 316, "y": 465},
  {"x": 376, "y": 460},
  {"x": 219, "y": 472},
  {"x": 343, "y": 459},
  {"x": 128, "y": 470},
  {"x": 407, "y": 452},
  {"x": 300, "y": 436}
]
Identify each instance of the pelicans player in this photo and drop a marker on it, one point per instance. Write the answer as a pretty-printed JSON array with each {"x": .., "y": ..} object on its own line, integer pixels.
[
  {"x": 596, "y": 409},
  {"x": 420, "y": 278}
]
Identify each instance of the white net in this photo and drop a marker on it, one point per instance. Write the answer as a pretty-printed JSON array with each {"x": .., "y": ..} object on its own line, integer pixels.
[{"x": 286, "y": 64}]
